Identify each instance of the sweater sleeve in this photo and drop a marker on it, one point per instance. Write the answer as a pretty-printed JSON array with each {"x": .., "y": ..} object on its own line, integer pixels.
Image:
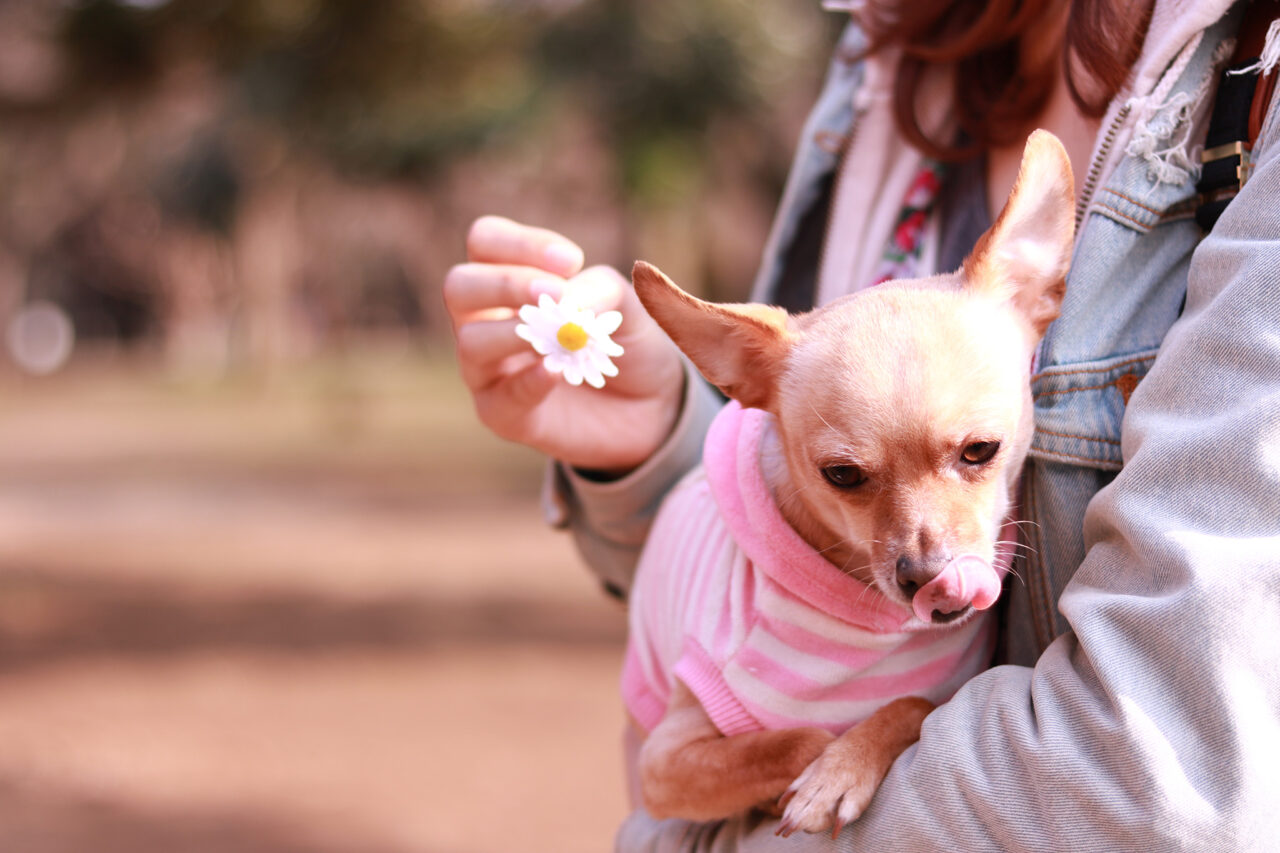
[
  {"x": 610, "y": 519},
  {"x": 1154, "y": 722}
]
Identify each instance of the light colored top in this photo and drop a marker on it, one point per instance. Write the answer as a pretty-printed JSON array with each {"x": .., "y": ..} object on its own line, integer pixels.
[{"x": 765, "y": 632}]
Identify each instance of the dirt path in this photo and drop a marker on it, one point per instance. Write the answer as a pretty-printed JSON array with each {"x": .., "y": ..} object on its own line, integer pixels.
[{"x": 210, "y": 644}]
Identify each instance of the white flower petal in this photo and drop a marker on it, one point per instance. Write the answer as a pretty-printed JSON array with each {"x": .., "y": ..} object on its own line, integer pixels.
[
  {"x": 599, "y": 361},
  {"x": 539, "y": 343},
  {"x": 528, "y": 333},
  {"x": 541, "y": 328},
  {"x": 556, "y": 362},
  {"x": 592, "y": 374},
  {"x": 539, "y": 318},
  {"x": 608, "y": 322},
  {"x": 545, "y": 327},
  {"x": 587, "y": 360}
]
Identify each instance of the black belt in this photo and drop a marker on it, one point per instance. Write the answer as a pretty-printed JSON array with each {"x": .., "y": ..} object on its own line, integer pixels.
[
  {"x": 1239, "y": 109},
  {"x": 1227, "y": 148}
]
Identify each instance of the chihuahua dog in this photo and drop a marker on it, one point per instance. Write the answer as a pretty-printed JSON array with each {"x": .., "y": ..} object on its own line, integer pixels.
[{"x": 814, "y": 590}]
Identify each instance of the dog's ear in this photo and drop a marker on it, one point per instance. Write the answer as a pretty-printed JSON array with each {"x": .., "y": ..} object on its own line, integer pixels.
[
  {"x": 739, "y": 348},
  {"x": 1025, "y": 254}
]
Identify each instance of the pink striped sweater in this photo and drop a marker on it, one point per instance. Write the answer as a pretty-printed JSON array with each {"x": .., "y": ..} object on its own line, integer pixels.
[{"x": 765, "y": 632}]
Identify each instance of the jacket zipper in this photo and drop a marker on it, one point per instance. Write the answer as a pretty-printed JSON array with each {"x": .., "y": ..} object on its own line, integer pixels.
[{"x": 1095, "y": 168}]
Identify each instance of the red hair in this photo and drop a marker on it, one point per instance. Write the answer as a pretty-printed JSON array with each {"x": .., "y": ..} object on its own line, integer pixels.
[{"x": 1003, "y": 64}]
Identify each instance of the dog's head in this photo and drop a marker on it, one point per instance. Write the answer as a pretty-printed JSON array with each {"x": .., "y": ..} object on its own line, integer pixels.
[{"x": 903, "y": 412}]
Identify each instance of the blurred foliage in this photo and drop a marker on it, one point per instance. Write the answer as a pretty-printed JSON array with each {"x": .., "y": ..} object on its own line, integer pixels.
[
  {"x": 253, "y": 181},
  {"x": 403, "y": 86}
]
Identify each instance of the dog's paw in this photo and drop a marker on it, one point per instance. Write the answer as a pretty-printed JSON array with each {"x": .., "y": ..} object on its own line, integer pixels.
[{"x": 830, "y": 793}]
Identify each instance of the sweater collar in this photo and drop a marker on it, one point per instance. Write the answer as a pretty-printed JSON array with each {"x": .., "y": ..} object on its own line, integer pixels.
[{"x": 732, "y": 461}]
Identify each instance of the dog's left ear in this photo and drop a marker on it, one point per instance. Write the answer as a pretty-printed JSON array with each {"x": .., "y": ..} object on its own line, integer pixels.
[
  {"x": 739, "y": 348},
  {"x": 1025, "y": 255}
]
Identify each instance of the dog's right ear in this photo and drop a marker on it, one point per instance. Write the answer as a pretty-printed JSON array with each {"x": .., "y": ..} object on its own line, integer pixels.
[
  {"x": 1024, "y": 256},
  {"x": 739, "y": 348}
]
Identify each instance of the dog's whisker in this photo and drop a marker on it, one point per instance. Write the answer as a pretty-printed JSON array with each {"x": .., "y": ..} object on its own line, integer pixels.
[
  {"x": 856, "y": 569},
  {"x": 835, "y": 545},
  {"x": 1011, "y": 570},
  {"x": 795, "y": 493},
  {"x": 1016, "y": 545},
  {"x": 814, "y": 409},
  {"x": 845, "y": 568}
]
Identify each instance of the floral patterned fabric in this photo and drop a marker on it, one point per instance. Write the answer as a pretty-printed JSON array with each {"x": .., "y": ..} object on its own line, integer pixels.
[{"x": 902, "y": 255}]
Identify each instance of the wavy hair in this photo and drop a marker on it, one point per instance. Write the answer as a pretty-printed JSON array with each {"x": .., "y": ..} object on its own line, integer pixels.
[{"x": 1004, "y": 66}]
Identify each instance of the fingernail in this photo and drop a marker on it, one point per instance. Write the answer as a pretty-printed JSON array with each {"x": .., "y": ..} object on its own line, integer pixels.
[
  {"x": 549, "y": 286},
  {"x": 564, "y": 257}
]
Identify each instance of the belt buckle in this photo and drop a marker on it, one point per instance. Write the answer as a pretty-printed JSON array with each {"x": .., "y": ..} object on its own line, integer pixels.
[{"x": 1240, "y": 149}]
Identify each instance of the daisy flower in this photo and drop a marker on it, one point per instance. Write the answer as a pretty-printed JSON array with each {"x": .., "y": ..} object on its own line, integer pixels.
[{"x": 572, "y": 340}]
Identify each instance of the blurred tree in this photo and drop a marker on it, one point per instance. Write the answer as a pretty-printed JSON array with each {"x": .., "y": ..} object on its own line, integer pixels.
[
  {"x": 207, "y": 126},
  {"x": 400, "y": 85},
  {"x": 656, "y": 74}
]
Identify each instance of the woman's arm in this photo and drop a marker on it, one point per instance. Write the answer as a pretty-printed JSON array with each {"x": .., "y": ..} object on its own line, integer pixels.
[
  {"x": 1154, "y": 723},
  {"x": 610, "y": 518}
]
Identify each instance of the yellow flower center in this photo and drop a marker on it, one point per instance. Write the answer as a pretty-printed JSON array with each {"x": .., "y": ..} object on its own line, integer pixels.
[{"x": 572, "y": 337}]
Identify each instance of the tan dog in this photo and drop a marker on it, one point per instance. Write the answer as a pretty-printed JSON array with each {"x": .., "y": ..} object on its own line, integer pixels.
[{"x": 901, "y": 416}]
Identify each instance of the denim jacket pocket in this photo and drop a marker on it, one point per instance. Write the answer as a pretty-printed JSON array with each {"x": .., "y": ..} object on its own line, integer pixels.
[
  {"x": 1079, "y": 409},
  {"x": 1137, "y": 214}
]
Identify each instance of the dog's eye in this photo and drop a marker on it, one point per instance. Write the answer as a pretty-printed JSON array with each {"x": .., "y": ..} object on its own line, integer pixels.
[
  {"x": 844, "y": 476},
  {"x": 980, "y": 452}
]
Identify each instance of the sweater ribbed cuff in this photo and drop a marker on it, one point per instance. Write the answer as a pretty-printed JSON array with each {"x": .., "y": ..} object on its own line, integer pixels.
[{"x": 696, "y": 669}]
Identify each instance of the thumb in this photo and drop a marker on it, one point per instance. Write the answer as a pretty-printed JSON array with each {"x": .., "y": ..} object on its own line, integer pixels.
[{"x": 600, "y": 288}]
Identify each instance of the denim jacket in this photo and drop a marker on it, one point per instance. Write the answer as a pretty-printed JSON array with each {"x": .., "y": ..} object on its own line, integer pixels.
[{"x": 1143, "y": 712}]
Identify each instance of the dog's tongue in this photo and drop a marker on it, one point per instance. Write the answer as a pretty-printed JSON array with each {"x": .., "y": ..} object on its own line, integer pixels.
[{"x": 965, "y": 580}]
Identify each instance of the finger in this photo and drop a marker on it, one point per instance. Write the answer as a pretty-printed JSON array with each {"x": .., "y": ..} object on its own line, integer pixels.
[
  {"x": 469, "y": 288},
  {"x": 530, "y": 386},
  {"x": 507, "y": 407},
  {"x": 496, "y": 240},
  {"x": 482, "y": 349}
]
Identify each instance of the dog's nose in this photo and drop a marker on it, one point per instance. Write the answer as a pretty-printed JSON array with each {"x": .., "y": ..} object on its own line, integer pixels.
[{"x": 913, "y": 574}]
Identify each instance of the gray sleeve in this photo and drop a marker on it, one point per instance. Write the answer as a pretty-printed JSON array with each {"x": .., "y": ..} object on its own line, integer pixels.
[
  {"x": 610, "y": 519},
  {"x": 1154, "y": 723}
]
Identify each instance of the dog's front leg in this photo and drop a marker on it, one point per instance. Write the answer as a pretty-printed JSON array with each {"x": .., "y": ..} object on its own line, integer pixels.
[
  {"x": 689, "y": 770},
  {"x": 838, "y": 786}
]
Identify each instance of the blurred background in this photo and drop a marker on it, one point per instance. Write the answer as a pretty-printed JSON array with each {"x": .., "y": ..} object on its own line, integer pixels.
[{"x": 265, "y": 583}]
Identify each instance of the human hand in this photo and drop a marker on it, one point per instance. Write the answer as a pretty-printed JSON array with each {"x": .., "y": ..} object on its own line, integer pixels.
[{"x": 612, "y": 429}]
